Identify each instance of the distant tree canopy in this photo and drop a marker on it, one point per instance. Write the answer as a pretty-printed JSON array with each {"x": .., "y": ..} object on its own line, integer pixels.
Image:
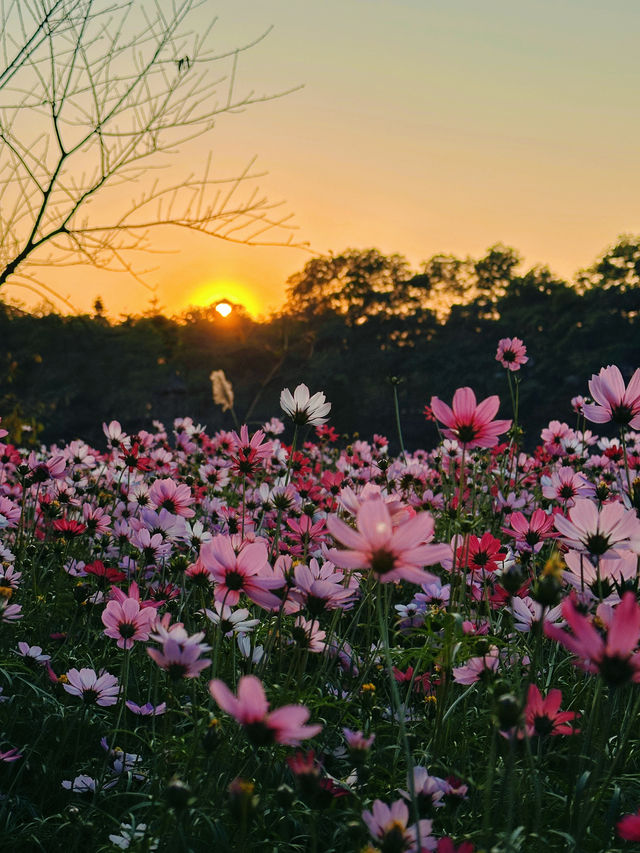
[
  {"x": 365, "y": 285},
  {"x": 351, "y": 321}
]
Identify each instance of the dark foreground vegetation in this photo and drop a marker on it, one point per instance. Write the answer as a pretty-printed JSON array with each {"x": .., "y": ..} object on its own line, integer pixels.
[{"x": 351, "y": 322}]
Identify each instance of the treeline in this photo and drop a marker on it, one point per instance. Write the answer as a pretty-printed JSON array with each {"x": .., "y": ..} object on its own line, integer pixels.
[{"x": 353, "y": 324}]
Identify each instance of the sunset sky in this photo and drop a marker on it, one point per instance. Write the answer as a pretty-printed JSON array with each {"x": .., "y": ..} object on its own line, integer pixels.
[{"x": 421, "y": 127}]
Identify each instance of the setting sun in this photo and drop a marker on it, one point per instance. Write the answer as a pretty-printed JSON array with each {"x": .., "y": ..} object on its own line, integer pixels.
[
  {"x": 224, "y": 309},
  {"x": 223, "y": 295}
]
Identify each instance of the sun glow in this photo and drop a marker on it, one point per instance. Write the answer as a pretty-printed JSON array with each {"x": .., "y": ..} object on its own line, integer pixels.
[{"x": 223, "y": 295}]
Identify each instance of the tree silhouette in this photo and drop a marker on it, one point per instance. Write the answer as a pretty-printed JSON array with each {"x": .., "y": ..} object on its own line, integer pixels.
[{"x": 97, "y": 101}]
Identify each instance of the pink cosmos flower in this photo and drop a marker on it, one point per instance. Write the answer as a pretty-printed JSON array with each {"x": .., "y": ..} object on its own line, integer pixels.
[
  {"x": 251, "y": 709},
  {"x": 10, "y": 755},
  {"x": 127, "y": 621},
  {"x": 612, "y": 656},
  {"x": 599, "y": 532},
  {"x": 469, "y": 422},
  {"x": 601, "y": 580},
  {"x": 180, "y": 660},
  {"x": 9, "y": 513},
  {"x": 542, "y": 716},
  {"x": 176, "y": 498},
  {"x": 307, "y": 635},
  {"x": 100, "y": 688},
  {"x": 554, "y": 435},
  {"x": 428, "y": 789},
  {"x": 146, "y": 710},
  {"x": 477, "y": 668},
  {"x": 244, "y": 571},
  {"x": 512, "y": 353},
  {"x": 629, "y": 827},
  {"x": 96, "y": 520},
  {"x": 249, "y": 455},
  {"x": 392, "y": 553},
  {"x": 358, "y": 742},
  {"x": 388, "y": 827},
  {"x": 564, "y": 485},
  {"x": 613, "y": 401},
  {"x": 530, "y": 533},
  {"x": 41, "y": 471},
  {"x": 321, "y": 589}
]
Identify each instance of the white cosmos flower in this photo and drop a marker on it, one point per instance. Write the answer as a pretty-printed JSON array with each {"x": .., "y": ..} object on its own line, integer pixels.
[{"x": 303, "y": 408}]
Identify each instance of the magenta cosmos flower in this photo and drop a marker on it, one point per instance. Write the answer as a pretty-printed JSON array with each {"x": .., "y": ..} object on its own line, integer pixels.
[
  {"x": 599, "y": 532},
  {"x": 251, "y": 709},
  {"x": 512, "y": 353},
  {"x": 469, "y": 422},
  {"x": 613, "y": 656},
  {"x": 392, "y": 552},
  {"x": 530, "y": 533},
  {"x": 629, "y": 827},
  {"x": 542, "y": 715},
  {"x": 613, "y": 401},
  {"x": 100, "y": 688}
]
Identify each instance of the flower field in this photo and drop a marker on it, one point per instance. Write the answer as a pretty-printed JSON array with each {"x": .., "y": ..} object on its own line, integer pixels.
[{"x": 278, "y": 639}]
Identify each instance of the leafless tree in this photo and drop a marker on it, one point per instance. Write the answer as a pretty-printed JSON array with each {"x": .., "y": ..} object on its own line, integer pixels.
[{"x": 98, "y": 99}]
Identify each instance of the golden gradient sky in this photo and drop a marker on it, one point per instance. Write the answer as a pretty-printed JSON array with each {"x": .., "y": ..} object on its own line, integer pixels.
[{"x": 422, "y": 127}]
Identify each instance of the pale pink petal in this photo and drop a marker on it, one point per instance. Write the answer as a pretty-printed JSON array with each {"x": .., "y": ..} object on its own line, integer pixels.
[
  {"x": 222, "y": 695},
  {"x": 442, "y": 412},
  {"x": 374, "y": 522},
  {"x": 251, "y": 697},
  {"x": 464, "y": 405}
]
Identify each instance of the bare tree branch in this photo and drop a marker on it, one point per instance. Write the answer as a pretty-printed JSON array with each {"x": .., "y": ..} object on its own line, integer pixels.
[{"x": 97, "y": 95}]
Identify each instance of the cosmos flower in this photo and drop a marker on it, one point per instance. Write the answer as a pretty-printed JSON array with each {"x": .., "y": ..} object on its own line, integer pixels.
[
  {"x": 100, "y": 688},
  {"x": 251, "y": 709},
  {"x": 244, "y": 571},
  {"x": 477, "y": 668},
  {"x": 614, "y": 656},
  {"x": 181, "y": 660},
  {"x": 32, "y": 653},
  {"x": 303, "y": 408},
  {"x": 470, "y": 423},
  {"x": 10, "y": 755},
  {"x": 512, "y": 353},
  {"x": 176, "y": 498},
  {"x": 599, "y": 531},
  {"x": 127, "y": 621},
  {"x": 82, "y": 784},
  {"x": 542, "y": 715},
  {"x": 146, "y": 710},
  {"x": 628, "y": 827},
  {"x": 388, "y": 827},
  {"x": 613, "y": 400},
  {"x": 391, "y": 552},
  {"x": 530, "y": 533}
]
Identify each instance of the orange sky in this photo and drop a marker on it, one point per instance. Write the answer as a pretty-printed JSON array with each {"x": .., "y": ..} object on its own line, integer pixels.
[{"x": 422, "y": 127}]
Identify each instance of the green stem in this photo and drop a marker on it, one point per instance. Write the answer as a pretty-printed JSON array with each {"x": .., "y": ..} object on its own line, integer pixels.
[
  {"x": 398, "y": 707},
  {"x": 398, "y": 426}
]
